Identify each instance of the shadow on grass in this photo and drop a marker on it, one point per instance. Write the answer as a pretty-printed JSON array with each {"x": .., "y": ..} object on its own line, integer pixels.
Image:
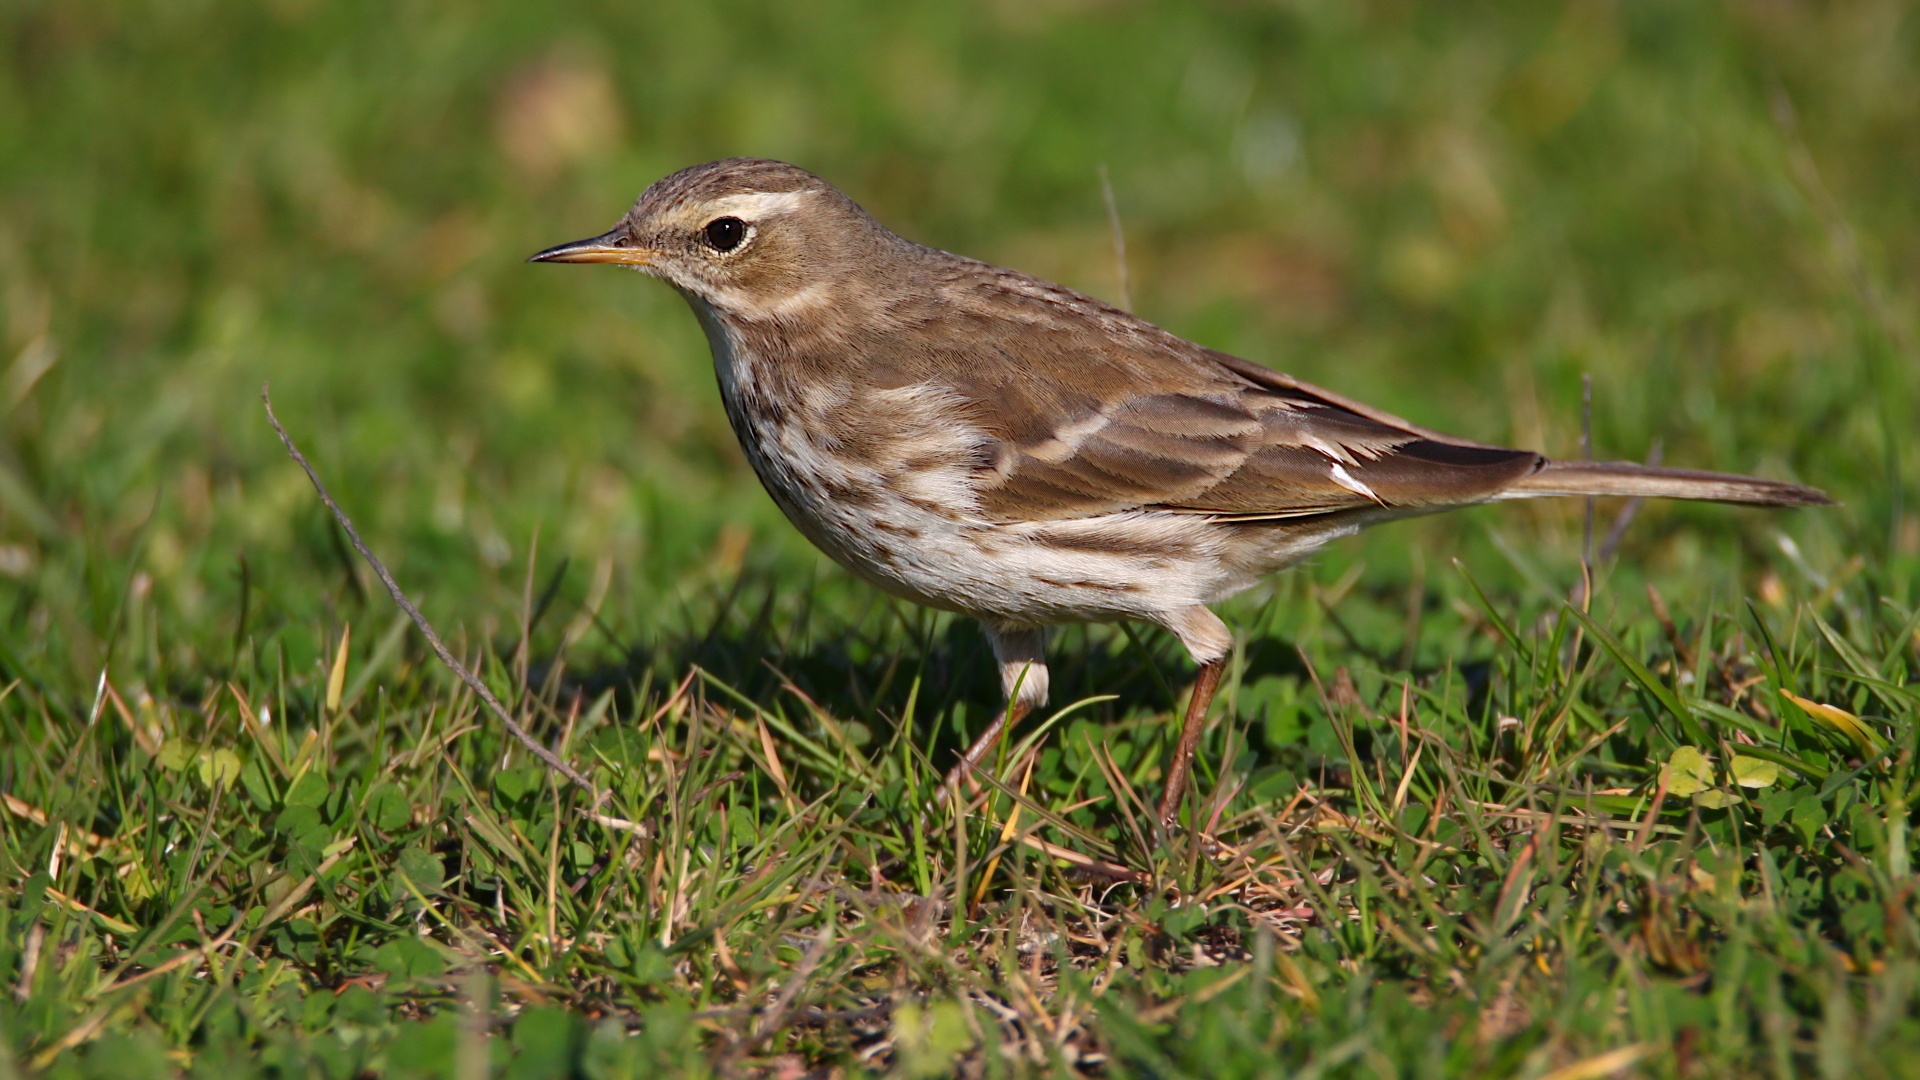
[{"x": 767, "y": 641}]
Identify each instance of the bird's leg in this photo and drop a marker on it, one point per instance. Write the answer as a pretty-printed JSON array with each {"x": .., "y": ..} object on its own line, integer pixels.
[
  {"x": 1208, "y": 641},
  {"x": 1182, "y": 767},
  {"x": 986, "y": 744},
  {"x": 1021, "y": 653}
]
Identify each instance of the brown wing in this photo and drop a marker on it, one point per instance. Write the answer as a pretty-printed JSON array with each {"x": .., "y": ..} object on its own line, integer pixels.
[
  {"x": 1251, "y": 455},
  {"x": 1094, "y": 412}
]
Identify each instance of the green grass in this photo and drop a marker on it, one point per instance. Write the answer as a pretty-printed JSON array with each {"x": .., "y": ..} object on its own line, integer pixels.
[{"x": 1456, "y": 828}]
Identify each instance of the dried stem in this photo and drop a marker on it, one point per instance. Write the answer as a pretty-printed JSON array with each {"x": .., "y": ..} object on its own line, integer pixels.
[{"x": 440, "y": 649}]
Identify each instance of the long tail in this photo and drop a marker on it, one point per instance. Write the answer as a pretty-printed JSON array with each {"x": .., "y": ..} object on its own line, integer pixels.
[{"x": 1626, "y": 478}]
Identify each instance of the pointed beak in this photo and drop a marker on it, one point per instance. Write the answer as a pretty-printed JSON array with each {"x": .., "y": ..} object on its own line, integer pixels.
[{"x": 613, "y": 247}]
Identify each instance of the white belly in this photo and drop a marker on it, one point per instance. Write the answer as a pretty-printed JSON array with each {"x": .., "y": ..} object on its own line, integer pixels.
[{"x": 882, "y": 480}]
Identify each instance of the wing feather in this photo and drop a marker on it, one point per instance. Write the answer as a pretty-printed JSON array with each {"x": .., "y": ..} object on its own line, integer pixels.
[
  {"x": 1091, "y": 411},
  {"x": 1243, "y": 456}
]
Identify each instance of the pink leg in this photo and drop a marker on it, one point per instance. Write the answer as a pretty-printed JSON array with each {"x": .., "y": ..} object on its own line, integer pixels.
[
  {"x": 986, "y": 744},
  {"x": 1020, "y": 652},
  {"x": 1182, "y": 768}
]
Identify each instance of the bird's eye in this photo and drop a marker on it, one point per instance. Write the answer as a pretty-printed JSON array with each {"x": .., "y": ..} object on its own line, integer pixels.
[{"x": 725, "y": 234}]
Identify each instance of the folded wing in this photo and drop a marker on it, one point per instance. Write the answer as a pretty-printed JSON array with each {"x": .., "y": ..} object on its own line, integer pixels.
[{"x": 1234, "y": 450}]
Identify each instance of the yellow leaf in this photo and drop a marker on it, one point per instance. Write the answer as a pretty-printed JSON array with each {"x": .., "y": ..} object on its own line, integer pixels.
[
  {"x": 220, "y": 767},
  {"x": 1842, "y": 721},
  {"x": 135, "y": 879},
  {"x": 1688, "y": 772},
  {"x": 175, "y": 754},
  {"x": 78, "y": 908},
  {"x": 1753, "y": 772},
  {"x": 303, "y": 758},
  {"x": 337, "y": 678}
]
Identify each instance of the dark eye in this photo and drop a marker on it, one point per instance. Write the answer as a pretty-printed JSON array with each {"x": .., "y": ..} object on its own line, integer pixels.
[{"x": 725, "y": 234}]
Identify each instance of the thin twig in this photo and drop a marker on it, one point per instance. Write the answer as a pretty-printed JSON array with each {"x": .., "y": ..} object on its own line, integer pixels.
[{"x": 440, "y": 649}]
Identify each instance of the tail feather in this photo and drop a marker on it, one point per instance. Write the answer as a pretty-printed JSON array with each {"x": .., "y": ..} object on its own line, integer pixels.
[{"x": 1628, "y": 479}]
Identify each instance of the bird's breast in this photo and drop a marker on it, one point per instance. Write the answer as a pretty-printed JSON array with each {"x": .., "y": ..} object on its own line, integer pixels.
[
  {"x": 880, "y": 478},
  {"x": 888, "y": 480}
]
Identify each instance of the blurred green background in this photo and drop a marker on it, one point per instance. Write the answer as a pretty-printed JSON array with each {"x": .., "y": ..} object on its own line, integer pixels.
[{"x": 1453, "y": 212}]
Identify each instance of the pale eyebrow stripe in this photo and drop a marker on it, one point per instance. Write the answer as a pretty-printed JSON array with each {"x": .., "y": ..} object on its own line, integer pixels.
[{"x": 762, "y": 203}]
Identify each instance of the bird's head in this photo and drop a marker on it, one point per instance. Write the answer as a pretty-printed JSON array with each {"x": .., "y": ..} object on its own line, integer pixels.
[{"x": 751, "y": 238}]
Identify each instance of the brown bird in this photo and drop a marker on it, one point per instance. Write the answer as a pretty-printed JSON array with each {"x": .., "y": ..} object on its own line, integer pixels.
[{"x": 981, "y": 441}]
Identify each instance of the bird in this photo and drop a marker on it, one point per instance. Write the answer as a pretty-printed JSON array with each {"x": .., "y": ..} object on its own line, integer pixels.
[{"x": 982, "y": 441}]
